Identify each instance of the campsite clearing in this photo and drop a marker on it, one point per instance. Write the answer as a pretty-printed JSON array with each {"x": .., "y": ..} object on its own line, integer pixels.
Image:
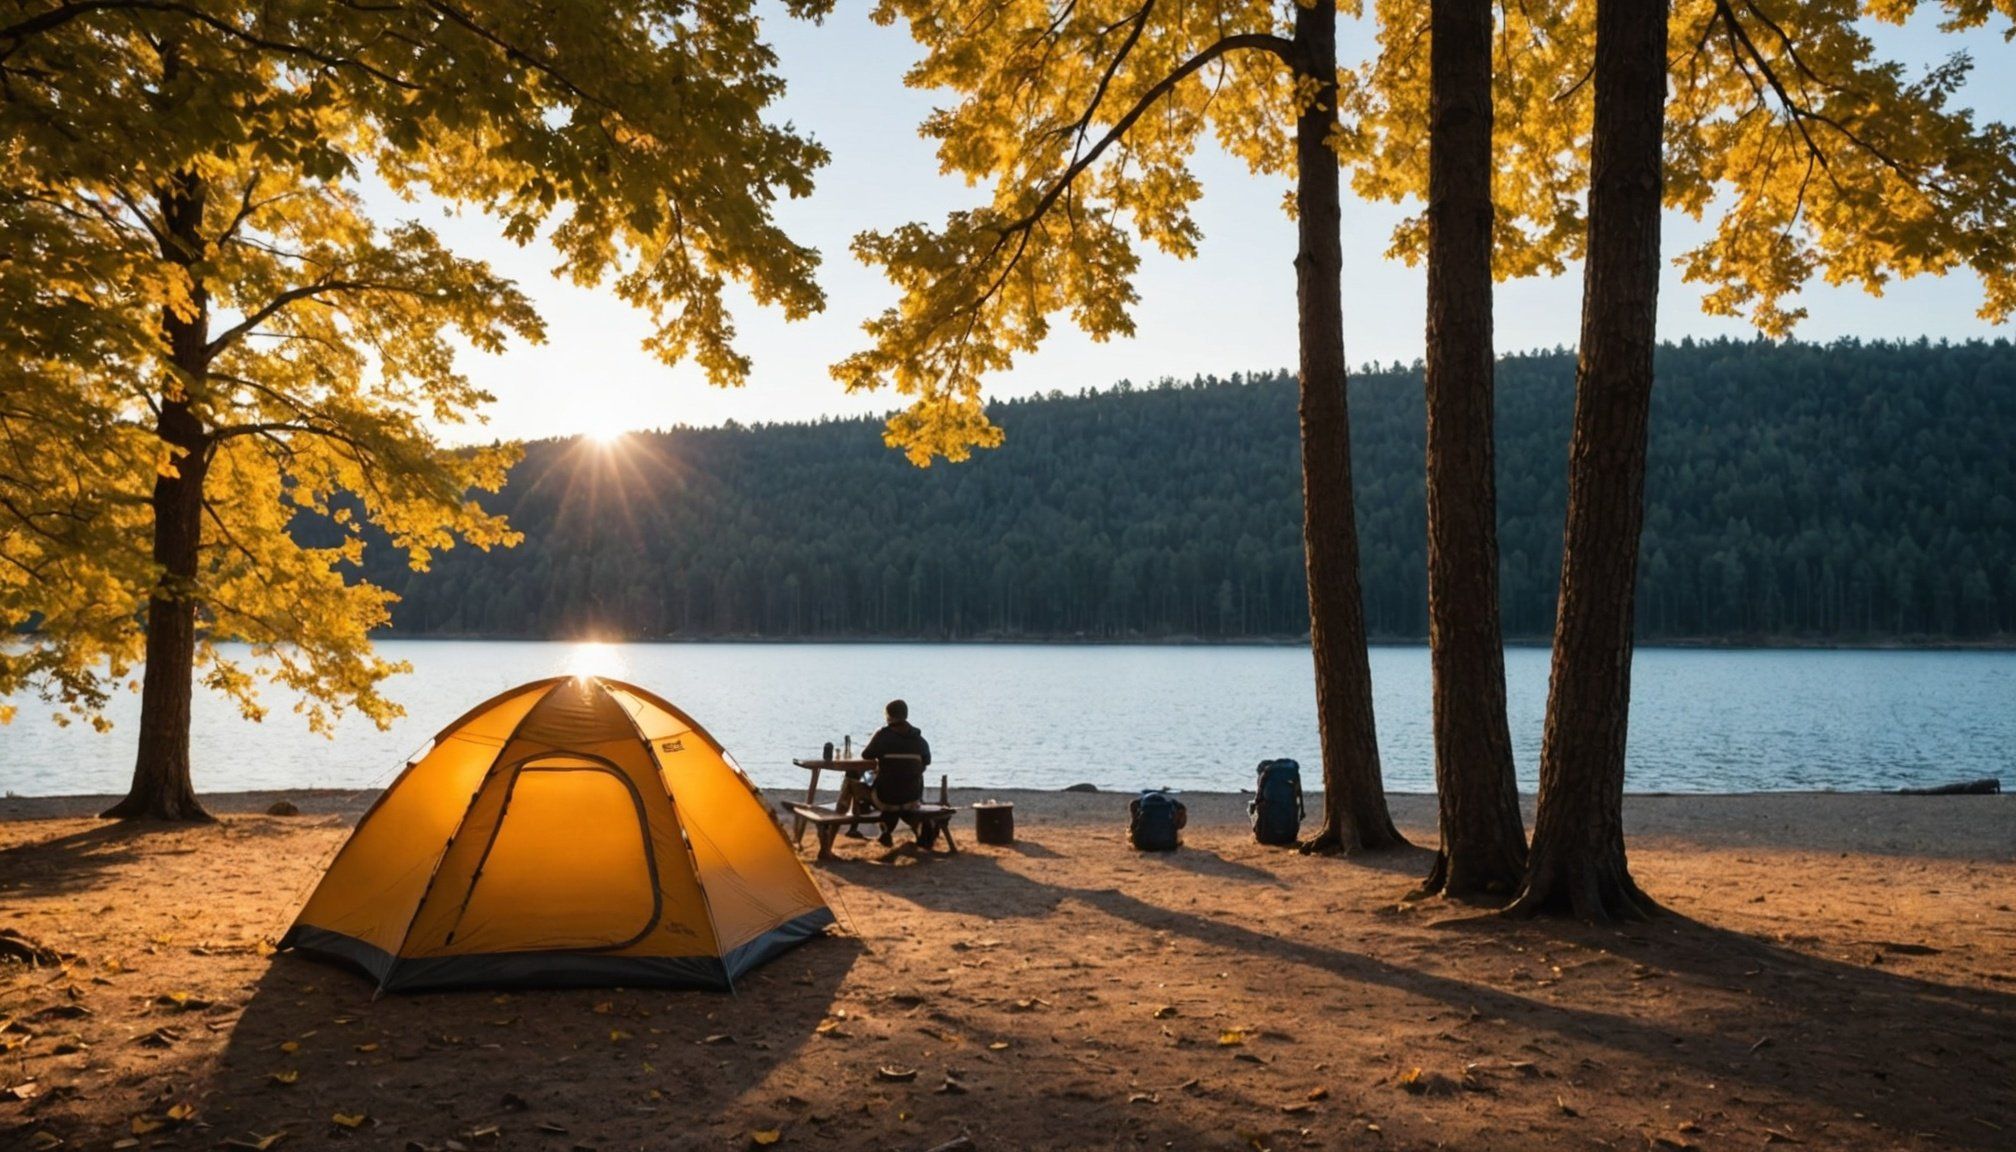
[{"x": 1836, "y": 970}]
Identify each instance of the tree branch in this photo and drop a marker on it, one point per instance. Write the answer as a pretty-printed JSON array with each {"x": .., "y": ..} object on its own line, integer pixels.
[
  {"x": 1256, "y": 41},
  {"x": 1021, "y": 228},
  {"x": 272, "y": 307}
]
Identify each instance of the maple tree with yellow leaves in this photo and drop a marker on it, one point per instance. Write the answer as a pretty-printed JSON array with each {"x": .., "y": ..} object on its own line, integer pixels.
[
  {"x": 1081, "y": 117},
  {"x": 210, "y": 338}
]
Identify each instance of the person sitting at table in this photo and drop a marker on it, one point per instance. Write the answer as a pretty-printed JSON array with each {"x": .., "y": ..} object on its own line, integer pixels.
[{"x": 898, "y": 737}]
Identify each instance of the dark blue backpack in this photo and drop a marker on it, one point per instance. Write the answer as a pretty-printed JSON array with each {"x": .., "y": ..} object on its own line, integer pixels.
[
  {"x": 1276, "y": 806},
  {"x": 1154, "y": 820}
]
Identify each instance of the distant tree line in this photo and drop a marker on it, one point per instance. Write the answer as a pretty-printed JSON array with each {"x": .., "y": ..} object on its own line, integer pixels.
[{"x": 1856, "y": 491}]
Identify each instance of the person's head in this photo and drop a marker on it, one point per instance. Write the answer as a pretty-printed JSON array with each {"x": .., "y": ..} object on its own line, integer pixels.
[{"x": 897, "y": 711}]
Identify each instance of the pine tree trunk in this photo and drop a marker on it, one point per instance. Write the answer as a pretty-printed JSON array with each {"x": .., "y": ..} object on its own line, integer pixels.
[
  {"x": 162, "y": 789},
  {"x": 1483, "y": 838},
  {"x": 1354, "y": 797},
  {"x": 1577, "y": 863}
]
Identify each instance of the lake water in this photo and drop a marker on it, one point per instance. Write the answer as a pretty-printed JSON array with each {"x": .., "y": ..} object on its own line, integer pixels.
[{"x": 1045, "y": 716}]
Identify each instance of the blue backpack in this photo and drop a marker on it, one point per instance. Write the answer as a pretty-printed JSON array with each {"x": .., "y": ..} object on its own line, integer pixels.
[
  {"x": 1154, "y": 821},
  {"x": 1276, "y": 806}
]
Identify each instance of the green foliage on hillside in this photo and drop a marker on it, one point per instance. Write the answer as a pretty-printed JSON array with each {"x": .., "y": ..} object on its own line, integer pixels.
[{"x": 1840, "y": 493}]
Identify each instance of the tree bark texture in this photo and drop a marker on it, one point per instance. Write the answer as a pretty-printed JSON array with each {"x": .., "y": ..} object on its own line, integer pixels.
[
  {"x": 1577, "y": 863},
  {"x": 1354, "y": 796},
  {"x": 162, "y": 788},
  {"x": 1483, "y": 837}
]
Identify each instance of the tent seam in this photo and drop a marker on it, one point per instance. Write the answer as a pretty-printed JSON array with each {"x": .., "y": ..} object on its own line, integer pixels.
[
  {"x": 679, "y": 820},
  {"x": 434, "y": 873}
]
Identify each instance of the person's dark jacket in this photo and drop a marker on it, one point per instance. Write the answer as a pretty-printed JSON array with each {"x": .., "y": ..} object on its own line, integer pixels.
[{"x": 898, "y": 739}]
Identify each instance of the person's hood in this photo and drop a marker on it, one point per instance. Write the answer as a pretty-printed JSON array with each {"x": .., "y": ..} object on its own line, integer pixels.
[{"x": 904, "y": 726}]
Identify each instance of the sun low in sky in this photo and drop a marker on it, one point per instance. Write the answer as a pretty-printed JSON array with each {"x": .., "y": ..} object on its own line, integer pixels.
[{"x": 605, "y": 430}]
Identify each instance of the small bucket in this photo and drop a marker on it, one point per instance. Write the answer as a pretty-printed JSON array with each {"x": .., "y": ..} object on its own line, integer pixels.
[{"x": 994, "y": 822}]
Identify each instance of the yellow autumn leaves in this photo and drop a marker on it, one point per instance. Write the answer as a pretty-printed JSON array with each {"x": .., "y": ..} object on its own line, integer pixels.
[{"x": 180, "y": 195}]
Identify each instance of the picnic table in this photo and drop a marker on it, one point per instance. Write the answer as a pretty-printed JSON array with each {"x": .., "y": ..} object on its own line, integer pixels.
[
  {"x": 851, "y": 768},
  {"x": 829, "y": 819}
]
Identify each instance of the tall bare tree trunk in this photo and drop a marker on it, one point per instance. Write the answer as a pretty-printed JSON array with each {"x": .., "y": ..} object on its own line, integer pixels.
[
  {"x": 1354, "y": 797},
  {"x": 1483, "y": 837},
  {"x": 162, "y": 789},
  {"x": 1577, "y": 862}
]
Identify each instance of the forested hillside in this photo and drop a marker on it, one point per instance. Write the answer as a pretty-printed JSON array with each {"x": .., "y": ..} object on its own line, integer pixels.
[{"x": 1841, "y": 493}]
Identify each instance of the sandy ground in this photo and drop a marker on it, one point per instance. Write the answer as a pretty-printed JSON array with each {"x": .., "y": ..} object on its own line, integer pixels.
[{"x": 1833, "y": 971}]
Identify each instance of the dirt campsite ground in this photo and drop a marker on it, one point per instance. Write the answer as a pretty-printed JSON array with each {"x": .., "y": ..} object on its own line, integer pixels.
[{"x": 1837, "y": 972}]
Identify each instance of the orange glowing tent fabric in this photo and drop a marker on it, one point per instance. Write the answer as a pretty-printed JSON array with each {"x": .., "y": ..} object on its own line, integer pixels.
[{"x": 573, "y": 831}]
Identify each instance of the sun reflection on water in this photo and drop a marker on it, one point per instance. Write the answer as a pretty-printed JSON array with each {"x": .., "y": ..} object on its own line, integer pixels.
[{"x": 595, "y": 658}]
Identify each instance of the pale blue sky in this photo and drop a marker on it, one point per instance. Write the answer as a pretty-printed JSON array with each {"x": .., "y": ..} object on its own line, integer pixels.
[{"x": 1231, "y": 309}]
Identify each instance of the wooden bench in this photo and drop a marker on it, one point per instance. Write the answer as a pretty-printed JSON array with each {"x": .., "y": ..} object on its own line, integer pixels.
[{"x": 921, "y": 819}]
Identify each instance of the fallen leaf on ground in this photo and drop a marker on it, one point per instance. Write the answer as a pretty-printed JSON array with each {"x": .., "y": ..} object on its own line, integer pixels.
[
  {"x": 997, "y": 1046},
  {"x": 891, "y": 1072},
  {"x": 1904, "y": 949},
  {"x": 348, "y": 1119},
  {"x": 1231, "y": 1038},
  {"x": 765, "y": 1137},
  {"x": 1165, "y": 1012},
  {"x": 284, "y": 1076}
]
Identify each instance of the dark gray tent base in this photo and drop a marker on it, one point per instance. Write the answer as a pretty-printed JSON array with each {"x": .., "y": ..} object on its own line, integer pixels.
[{"x": 555, "y": 969}]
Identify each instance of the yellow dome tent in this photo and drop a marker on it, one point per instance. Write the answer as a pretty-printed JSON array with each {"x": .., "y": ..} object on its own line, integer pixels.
[{"x": 569, "y": 831}]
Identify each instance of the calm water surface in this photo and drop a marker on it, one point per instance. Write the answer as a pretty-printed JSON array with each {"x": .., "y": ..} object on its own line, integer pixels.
[{"x": 1121, "y": 717}]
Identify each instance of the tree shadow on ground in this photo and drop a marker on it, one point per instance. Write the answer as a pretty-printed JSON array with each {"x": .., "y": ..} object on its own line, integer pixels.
[
  {"x": 1205, "y": 862},
  {"x": 75, "y": 862},
  {"x": 1857, "y": 1040},
  {"x": 1410, "y": 861},
  {"x": 597, "y": 1066}
]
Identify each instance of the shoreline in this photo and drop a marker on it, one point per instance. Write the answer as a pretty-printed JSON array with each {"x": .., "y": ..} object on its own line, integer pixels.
[{"x": 1965, "y": 827}]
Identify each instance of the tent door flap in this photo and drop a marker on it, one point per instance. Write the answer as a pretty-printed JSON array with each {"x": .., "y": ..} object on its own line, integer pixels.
[{"x": 561, "y": 872}]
